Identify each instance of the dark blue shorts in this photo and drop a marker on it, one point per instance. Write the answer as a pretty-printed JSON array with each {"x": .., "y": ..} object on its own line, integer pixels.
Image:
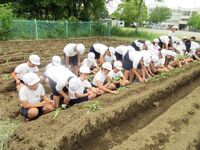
[
  {"x": 24, "y": 111},
  {"x": 127, "y": 63},
  {"x": 73, "y": 60},
  {"x": 78, "y": 100},
  {"x": 53, "y": 87},
  {"x": 97, "y": 55},
  {"x": 160, "y": 43},
  {"x": 135, "y": 46},
  {"x": 118, "y": 56}
]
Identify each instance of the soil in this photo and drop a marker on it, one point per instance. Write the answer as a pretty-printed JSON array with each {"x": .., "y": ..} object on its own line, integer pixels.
[{"x": 154, "y": 115}]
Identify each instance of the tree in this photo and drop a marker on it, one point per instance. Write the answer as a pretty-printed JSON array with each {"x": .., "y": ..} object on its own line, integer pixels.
[
  {"x": 84, "y": 10},
  {"x": 131, "y": 11},
  {"x": 160, "y": 14},
  {"x": 6, "y": 18},
  {"x": 194, "y": 22}
]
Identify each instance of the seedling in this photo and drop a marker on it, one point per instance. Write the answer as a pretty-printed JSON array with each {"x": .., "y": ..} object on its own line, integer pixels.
[
  {"x": 93, "y": 106},
  {"x": 6, "y": 77},
  {"x": 57, "y": 111}
]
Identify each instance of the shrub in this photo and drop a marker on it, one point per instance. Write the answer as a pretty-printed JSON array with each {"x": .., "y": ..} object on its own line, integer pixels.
[
  {"x": 116, "y": 31},
  {"x": 6, "y": 18}
]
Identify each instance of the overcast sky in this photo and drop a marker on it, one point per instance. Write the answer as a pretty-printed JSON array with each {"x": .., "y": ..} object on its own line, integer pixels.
[{"x": 169, "y": 3}]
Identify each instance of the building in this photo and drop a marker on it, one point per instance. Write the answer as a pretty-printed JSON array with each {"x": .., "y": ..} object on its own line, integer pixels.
[{"x": 180, "y": 16}]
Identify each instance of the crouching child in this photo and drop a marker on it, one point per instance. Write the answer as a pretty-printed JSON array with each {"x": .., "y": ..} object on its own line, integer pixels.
[{"x": 32, "y": 96}]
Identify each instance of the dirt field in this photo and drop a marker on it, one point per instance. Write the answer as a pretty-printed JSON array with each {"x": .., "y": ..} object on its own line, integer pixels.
[{"x": 155, "y": 115}]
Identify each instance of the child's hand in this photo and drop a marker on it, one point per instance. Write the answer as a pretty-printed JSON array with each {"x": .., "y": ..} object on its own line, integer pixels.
[{"x": 114, "y": 92}]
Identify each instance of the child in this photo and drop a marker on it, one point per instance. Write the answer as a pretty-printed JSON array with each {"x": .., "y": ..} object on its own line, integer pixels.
[
  {"x": 172, "y": 31},
  {"x": 56, "y": 61},
  {"x": 32, "y": 97},
  {"x": 72, "y": 53},
  {"x": 109, "y": 56},
  {"x": 91, "y": 63},
  {"x": 59, "y": 78},
  {"x": 133, "y": 65},
  {"x": 120, "y": 51},
  {"x": 92, "y": 91},
  {"x": 117, "y": 76},
  {"x": 100, "y": 78},
  {"x": 100, "y": 50},
  {"x": 164, "y": 41},
  {"x": 22, "y": 69}
]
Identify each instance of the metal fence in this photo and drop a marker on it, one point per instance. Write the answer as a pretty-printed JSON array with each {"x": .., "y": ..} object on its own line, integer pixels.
[{"x": 42, "y": 29}]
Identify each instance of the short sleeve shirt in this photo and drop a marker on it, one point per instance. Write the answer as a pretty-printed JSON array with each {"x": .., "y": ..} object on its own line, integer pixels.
[{"x": 31, "y": 96}]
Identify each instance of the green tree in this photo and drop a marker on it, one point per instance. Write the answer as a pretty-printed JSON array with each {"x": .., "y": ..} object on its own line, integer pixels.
[
  {"x": 194, "y": 22},
  {"x": 59, "y": 9},
  {"x": 131, "y": 11},
  {"x": 6, "y": 18},
  {"x": 160, "y": 14}
]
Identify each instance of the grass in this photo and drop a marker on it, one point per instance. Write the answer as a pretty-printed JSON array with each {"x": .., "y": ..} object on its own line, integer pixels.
[
  {"x": 7, "y": 127},
  {"x": 132, "y": 33}
]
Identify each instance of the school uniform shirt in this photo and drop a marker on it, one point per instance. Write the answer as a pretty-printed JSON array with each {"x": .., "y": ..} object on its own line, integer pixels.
[
  {"x": 122, "y": 50},
  {"x": 89, "y": 63},
  {"x": 100, "y": 48},
  {"x": 69, "y": 50},
  {"x": 135, "y": 57},
  {"x": 31, "y": 96},
  {"x": 110, "y": 59},
  {"x": 86, "y": 83},
  {"x": 164, "y": 39},
  {"x": 194, "y": 47},
  {"x": 171, "y": 34},
  {"x": 22, "y": 69},
  {"x": 60, "y": 75},
  {"x": 147, "y": 58},
  {"x": 112, "y": 74},
  {"x": 99, "y": 77},
  {"x": 82, "y": 84}
]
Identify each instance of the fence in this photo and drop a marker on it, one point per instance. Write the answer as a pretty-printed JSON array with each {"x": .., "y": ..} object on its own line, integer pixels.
[{"x": 40, "y": 29}]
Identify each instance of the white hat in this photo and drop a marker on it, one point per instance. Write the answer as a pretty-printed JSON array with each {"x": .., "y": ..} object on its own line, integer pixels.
[
  {"x": 34, "y": 59},
  {"x": 31, "y": 78},
  {"x": 56, "y": 60},
  {"x": 175, "y": 27},
  {"x": 147, "y": 43},
  {"x": 155, "y": 58},
  {"x": 156, "y": 40},
  {"x": 111, "y": 50},
  {"x": 84, "y": 69},
  {"x": 185, "y": 37},
  {"x": 80, "y": 48},
  {"x": 91, "y": 56},
  {"x": 118, "y": 65},
  {"x": 107, "y": 66},
  {"x": 75, "y": 86}
]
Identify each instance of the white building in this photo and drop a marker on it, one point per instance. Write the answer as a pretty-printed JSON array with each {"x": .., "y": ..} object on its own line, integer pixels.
[{"x": 180, "y": 16}]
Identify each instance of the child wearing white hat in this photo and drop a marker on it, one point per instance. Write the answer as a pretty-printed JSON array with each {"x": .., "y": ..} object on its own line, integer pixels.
[
  {"x": 109, "y": 56},
  {"x": 120, "y": 51},
  {"x": 90, "y": 62},
  {"x": 32, "y": 96},
  {"x": 22, "y": 69},
  {"x": 83, "y": 76},
  {"x": 72, "y": 56},
  {"x": 117, "y": 76},
  {"x": 100, "y": 51},
  {"x": 99, "y": 80}
]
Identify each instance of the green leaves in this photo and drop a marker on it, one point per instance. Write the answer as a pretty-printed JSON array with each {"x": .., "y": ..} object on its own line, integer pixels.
[
  {"x": 194, "y": 22},
  {"x": 128, "y": 12},
  {"x": 160, "y": 14}
]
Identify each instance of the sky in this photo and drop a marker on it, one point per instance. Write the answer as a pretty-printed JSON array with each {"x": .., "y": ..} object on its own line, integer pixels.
[{"x": 112, "y": 6}]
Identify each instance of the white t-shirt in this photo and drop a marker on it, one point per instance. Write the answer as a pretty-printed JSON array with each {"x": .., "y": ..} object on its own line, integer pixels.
[
  {"x": 171, "y": 34},
  {"x": 135, "y": 57},
  {"x": 69, "y": 50},
  {"x": 31, "y": 96},
  {"x": 60, "y": 75},
  {"x": 100, "y": 48},
  {"x": 89, "y": 63},
  {"x": 22, "y": 69},
  {"x": 161, "y": 62},
  {"x": 112, "y": 74},
  {"x": 110, "y": 59},
  {"x": 147, "y": 58},
  {"x": 86, "y": 83},
  {"x": 164, "y": 39},
  {"x": 122, "y": 50},
  {"x": 99, "y": 77}
]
